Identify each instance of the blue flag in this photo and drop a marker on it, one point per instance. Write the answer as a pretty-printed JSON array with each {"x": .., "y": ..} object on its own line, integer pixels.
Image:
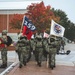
[{"x": 28, "y": 24}]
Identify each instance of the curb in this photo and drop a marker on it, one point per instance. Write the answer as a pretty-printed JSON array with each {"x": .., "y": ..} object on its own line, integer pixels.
[{"x": 9, "y": 68}]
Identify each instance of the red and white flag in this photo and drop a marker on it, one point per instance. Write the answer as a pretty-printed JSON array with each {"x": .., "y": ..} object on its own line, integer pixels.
[
  {"x": 27, "y": 32},
  {"x": 46, "y": 35}
]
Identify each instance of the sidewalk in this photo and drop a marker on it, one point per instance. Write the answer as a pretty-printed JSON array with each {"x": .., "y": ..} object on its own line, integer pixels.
[
  {"x": 65, "y": 65},
  {"x": 33, "y": 69}
]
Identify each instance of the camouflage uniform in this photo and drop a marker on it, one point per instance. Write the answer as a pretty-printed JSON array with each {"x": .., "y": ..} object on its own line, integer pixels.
[
  {"x": 31, "y": 44},
  {"x": 51, "y": 49},
  {"x": 23, "y": 48},
  {"x": 4, "y": 49},
  {"x": 31, "y": 48},
  {"x": 45, "y": 42},
  {"x": 28, "y": 49},
  {"x": 62, "y": 44},
  {"x": 38, "y": 47},
  {"x": 58, "y": 45}
]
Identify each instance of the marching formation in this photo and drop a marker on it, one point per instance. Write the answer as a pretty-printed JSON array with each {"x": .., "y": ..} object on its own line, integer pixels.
[{"x": 40, "y": 47}]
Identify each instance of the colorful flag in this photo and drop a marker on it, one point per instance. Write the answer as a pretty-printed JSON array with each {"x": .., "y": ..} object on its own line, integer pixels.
[
  {"x": 46, "y": 35},
  {"x": 28, "y": 23},
  {"x": 27, "y": 32},
  {"x": 28, "y": 28},
  {"x": 57, "y": 29}
]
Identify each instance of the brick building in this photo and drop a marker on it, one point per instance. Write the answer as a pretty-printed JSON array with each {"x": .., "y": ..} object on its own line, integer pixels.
[{"x": 8, "y": 8}]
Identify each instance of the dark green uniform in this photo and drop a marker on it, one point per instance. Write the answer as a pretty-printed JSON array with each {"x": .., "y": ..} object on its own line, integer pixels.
[
  {"x": 62, "y": 44},
  {"x": 51, "y": 48},
  {"x": 31, "y": 44},
  {"x": 38, "y": 47},
  {"x": 45, "y": 42},
  {"x": 23, "y": 49},
  {"x": 58, "y": 45},
  {"x": 4, "y": 49}
]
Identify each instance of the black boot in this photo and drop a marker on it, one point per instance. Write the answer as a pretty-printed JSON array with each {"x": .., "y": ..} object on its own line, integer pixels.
[
  {"x": 24, "y": 63},
  {"x": 20, "y": 66},
  {"x": 3, "y": 66},
  {"x": 39, "y": 63},
  {"x": 52, "y": 67}
]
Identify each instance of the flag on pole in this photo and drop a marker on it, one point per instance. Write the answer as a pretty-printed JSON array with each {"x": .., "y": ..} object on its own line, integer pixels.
[
  {"x": 57, "y": 29},
  {"x": 27, "y": 32},
  {"x": 28, "y": 28},
  {"x": 46, "y": 35}
]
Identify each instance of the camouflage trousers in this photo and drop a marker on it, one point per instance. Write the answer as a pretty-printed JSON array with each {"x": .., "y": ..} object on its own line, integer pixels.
[
  {"x": 38, "y": 54},
  {"x": 51, "y": 60},
  {"x": 4, "y": 55},
  {"x": 58, "y": 49},
  {"x": 22, "y": 55},
  {"x": 51, "y": 55}
]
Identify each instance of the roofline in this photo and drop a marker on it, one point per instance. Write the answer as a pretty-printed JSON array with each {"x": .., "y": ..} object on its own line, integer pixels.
[
  {"x": 18, "y": 11},
  {"x": 16, "y": 5},
  {"x": 11, "y": 9}
]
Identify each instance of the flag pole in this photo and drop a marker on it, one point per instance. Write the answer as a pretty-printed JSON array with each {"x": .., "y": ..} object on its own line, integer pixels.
[{"x": 22, "y": 24}]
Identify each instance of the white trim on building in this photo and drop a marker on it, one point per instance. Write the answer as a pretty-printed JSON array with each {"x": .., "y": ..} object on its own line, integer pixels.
[
  {"x": 20, "y": 11},
  {"x": 15, "y": 7}
]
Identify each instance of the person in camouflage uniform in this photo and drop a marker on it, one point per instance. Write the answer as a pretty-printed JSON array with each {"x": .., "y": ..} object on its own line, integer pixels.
[
  {"x": 51, "y": 49},
  {"x": 32, "y": 43},
  {"x": 58, "y": 40},
  {"x": 45, "y": 42},
  {"x": 3, "y": 48},
  {"x": 23, "y": 48},
  {"x": 62, "y": 43},
  {"x": 38, "y": 50}
]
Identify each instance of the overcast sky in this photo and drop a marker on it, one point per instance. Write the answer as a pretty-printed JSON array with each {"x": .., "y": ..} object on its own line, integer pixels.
[{"x": 68, "y": 6}]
